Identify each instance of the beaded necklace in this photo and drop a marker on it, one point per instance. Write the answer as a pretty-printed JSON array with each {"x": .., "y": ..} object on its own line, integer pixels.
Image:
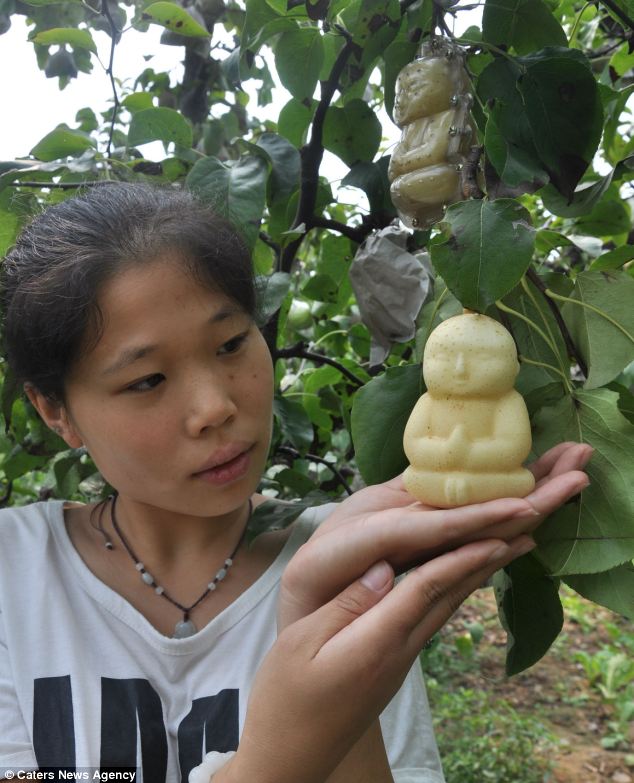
[{"x": 186, "y": 626}]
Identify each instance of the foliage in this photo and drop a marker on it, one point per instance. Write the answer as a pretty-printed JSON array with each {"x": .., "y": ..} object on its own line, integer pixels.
[
  {"x": 547, "y": 251},
  {"x": 483, "y": 738},
  {"x": 611, "y": 672}
]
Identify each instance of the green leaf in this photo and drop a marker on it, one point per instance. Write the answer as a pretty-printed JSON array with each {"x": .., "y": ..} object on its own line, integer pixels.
[
  {"x": 237, "y": 191},
  {"x": 78, "y": 39},
  {"x": 159, "y": 124},
  {"x": 378, "y": 439},
  {"x": 546, "y": 240},
  {"x": 62, "y": 143},
  {"x": 284, "y": 157},
  {"x": 19, "y": 461},
  {"x": 530, "y": 611},
  {"x": 299, "y": 55},
  {"x": 484, "y": 251},
  {"x": 272, "y": 291},
  {"x": 613, "y": 259},
  {"x": 353, "y": 132},
  {"x": 564, "y": 110},
  {"x": 137, "y": 101},
  {"x": 174, "y": 18},
  {"x": 68, "y": 475},
  {"x": 276, "y": 515},
  {"x": 532, "y": 345},
  {"x": 261, "y": 23},
  {"x": 400, "y": 52},
  {"x": 602, "y": 324},
  {"x": 321, "y": 288},
  {"x": 609, "y": 217},
  {"x": 372, "y": 179},
  {"x": 583, "y": 200},
  {"x": 9, "y": 226},
  {"x": 613, "y": 589},
  {"x": 526, "y": 25},
  {"x": 594, "y": 532},
  {"x": 376, "y": 26},
  {"x": 294, "y": 121},
  {"x": 508, "y": 139},
  {"x": 294, "y": 422},
  {"x": 515, "y": 165}
]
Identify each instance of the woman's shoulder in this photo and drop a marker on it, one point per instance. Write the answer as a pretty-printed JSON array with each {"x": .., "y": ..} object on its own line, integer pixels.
[{"x": 25, "y": 522}]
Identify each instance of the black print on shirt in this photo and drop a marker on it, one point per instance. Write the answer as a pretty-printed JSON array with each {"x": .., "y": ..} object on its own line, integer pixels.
[{"x": 212, "y": 724}]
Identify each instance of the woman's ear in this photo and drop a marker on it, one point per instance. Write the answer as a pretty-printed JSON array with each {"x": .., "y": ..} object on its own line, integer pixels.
[{"x": 54, "y": 415}]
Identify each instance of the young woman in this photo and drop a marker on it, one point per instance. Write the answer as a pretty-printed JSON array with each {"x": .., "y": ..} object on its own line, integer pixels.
[{"x": 142, "y": 632}]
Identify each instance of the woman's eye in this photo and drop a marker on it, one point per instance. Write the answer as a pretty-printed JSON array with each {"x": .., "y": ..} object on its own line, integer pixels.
[
  {"x": 233, "y": 345},
  {"x": 147, "y": 384}
]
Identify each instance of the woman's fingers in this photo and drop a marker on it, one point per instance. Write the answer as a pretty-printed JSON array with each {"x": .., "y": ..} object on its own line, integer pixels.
[
  {"x": 404, "y": 537},
  {"x": 542, "y": 501},
  {"x": 401, "y": 622},
  {"x": 560, "y": 459},
  {"x": 574, "y": 458},
  {"x": 542, "y": 466}
]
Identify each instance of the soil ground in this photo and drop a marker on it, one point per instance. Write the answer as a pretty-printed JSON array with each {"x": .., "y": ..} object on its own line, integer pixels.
[{"x": 556, "y": 689}]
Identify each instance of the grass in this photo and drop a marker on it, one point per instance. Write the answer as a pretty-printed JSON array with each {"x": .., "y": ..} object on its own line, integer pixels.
[{"x": 571, "y": 711}]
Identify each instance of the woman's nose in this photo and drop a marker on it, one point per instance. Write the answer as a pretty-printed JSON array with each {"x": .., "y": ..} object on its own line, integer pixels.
[{"x": 209, "y": 404}]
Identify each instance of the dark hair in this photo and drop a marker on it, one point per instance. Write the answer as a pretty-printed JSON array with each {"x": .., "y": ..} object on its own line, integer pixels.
[{"x": 52, "y": 277}]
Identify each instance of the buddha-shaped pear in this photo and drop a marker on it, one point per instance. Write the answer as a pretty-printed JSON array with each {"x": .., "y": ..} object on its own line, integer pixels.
[
  {"x": 469, "y": 434},
  {"x": 432, "y": 107}
]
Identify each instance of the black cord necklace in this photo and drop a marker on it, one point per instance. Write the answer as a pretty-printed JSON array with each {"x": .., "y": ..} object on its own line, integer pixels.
[{"x": 186, "y": 626}]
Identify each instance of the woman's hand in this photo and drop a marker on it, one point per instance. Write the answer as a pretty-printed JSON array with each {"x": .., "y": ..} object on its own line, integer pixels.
[
  {"x": 384, "y": 522},
  {"x": 331, "y": 673},
  {"x": 349, "y": 635}
]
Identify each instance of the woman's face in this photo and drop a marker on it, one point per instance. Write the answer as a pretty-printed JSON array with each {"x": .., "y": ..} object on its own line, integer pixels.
[{"x": 174, "y": 404}]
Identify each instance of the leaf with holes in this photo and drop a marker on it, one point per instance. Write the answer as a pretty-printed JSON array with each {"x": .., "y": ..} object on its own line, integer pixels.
[{"x": 175, "y": 18}]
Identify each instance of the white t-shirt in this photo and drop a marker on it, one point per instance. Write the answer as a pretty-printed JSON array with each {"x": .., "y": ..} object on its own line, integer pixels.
[{"x": 87, "y": 682}]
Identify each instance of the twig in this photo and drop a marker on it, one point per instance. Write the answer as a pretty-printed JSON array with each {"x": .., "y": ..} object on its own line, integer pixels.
[
  {"x": 618, "y": 12},
  {"x": 57, "y": 185},
  {"x": 356, "y": 234},
  {"x": 469, "y": 174},
  {"x": 299, "y": 351},
  {"x": 570, "y": 345},
  {"x": 321, "y": 461},
  {"x": 312, "y": 154},
  {"x": 272, "y": 244},
  {"x": 114, "y": 32}
]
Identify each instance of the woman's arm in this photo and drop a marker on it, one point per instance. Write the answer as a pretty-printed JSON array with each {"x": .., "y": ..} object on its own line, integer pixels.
[{"x": 366, "y": 760}]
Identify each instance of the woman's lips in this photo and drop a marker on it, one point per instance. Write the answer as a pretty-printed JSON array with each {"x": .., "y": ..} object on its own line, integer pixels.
[{"x": 229, "y": 471}]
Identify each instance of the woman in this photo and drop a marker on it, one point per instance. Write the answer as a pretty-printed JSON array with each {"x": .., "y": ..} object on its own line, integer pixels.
[{"x": 141, "y": 632}]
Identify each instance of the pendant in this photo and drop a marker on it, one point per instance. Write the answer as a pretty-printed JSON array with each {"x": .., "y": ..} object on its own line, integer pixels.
[{"x": 183, "y": 629}]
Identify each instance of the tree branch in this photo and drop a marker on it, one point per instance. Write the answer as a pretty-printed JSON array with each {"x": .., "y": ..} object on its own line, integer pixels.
[
  {"x": 618, "y": 12},
  {"x": 277, "y": 249},
  {"x": 311, "y": 157},
  {"x": 56, "y": 185},
  {"x": 314, "y": 458},
  {"x": 114, "y": 32},
  {"x": 570, "y": 346},
  {"x": 299, "y": 351}
]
